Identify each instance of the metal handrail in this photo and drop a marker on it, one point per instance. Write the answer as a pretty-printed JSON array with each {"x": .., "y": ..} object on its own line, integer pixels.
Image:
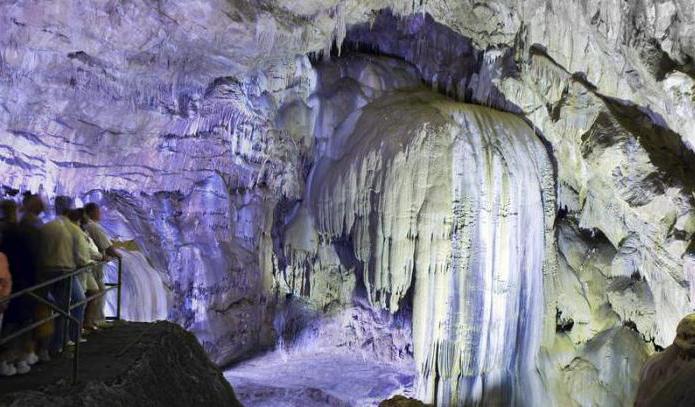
[{"x": 31, "y": 291}]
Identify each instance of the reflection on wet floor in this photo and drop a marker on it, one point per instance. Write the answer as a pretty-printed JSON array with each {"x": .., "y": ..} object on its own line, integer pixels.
[{"x": 281, "y": 379}]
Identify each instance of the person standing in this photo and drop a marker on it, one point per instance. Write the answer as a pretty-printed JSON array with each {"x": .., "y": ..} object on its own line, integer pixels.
[
  {"x": 86, "y": 252},
  {"x": 95, "y": 316},
  {"x": 17, "y": 247},
  {"x": 6, "y": 367},
  {"x": 58, "y": 257},
  {"x": 30, "y": 226},
  {"x": 32, "y": 206},
  {"x": 5, "y": 283}
]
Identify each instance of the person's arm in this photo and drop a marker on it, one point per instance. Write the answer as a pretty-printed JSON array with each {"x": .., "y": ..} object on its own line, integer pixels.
[
  {"x": 102, "y": 240},
  {"x": 5, "y": 281},
  {"x": 94, "y": 252},
  {"x": 111, "y": 251}
]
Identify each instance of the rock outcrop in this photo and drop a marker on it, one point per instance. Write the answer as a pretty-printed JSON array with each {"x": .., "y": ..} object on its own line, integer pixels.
[
  {"x": 667, "y": 377},
  {"x": 129, "y": 364},
  {"x": 401, "y": 401}
]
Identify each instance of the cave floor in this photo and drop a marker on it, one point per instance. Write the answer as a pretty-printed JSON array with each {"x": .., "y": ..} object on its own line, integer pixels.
[{"x": 282, "y": 379}]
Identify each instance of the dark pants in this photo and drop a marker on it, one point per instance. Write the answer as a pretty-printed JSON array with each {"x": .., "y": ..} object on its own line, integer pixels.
[{"x": 65, "y": 294}]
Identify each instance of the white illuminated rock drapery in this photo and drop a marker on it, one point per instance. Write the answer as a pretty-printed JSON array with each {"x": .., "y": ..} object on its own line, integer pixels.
[
  {"x": 450, "y": 202},
  {"x": 144, "y": 297}
]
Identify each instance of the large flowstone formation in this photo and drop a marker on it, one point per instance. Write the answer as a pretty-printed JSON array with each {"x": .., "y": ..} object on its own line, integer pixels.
[{"x": 447, "y": 205}]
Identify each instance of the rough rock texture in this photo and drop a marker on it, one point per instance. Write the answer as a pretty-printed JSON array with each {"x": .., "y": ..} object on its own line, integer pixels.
[
  {"x": 154, "y": 364},
  {"x": 317, "y": 380},
  {"x": 667, "y": 377},
  {"x": 195, "y": 124},
  {"x": 401, "y": 401}
]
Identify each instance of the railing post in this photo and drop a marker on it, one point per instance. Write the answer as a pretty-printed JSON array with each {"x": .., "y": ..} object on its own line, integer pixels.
[
  {"x": 76, "y": 359},
  {"x": 66, "y": 322},
  {"x": 118, "y": 290},
  {"x": 43, "y": 289}
]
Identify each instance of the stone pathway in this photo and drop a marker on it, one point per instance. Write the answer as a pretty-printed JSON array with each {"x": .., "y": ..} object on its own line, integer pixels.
[{"x": 97, "y": 360}]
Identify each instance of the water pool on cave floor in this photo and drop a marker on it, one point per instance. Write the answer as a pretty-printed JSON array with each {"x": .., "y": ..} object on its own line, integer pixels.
[{"x": 281, "y": 379}]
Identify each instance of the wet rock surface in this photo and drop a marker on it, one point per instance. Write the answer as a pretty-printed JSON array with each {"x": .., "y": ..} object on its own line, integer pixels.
[
  {"x": 318, "y": 379},
  {"x": 128, "y": 364},
  {"x": 357, "y": 357}
]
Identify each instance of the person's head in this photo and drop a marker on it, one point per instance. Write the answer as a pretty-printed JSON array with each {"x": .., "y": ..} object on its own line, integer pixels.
[
  {"x": 93, "y": 212},
  {"x": 63, "y": 205},
  {"x": 76, "y": 215},
  {"x": 33, "y": 204},
  {"x": 9, "y": 210}
]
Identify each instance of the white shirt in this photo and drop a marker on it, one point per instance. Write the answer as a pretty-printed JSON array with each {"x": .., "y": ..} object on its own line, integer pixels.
[{"x": 98, "y": 234}]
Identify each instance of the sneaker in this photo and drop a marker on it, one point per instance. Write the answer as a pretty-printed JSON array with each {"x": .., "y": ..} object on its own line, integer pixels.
[
  {"x": 44, "y": 356},
  {"x": 31, "y": 359},
  {"x": 7, "y": 369},
  {"x": 71, "y": 344},
  {"x": 23, "y": 367}
]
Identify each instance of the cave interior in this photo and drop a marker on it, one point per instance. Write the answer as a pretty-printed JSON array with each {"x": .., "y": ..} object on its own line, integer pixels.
[{"x": 480, "y": 203}]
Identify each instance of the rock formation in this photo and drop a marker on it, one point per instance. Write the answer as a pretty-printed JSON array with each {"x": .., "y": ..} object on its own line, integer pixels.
[
  {"x": 144, "y": 296},
  {"x": 154, "y": 364},
  {"x": 328, "y": 151},
  {"x": 667, "y": 377},
  {"x": 400, "y": 401},
  {"x": 449, "y": 202}
]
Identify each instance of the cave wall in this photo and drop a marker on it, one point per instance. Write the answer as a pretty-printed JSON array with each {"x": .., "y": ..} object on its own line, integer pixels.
[
  {"x": 193, "y": 124},
  {"x": 185, "y": 157}
]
